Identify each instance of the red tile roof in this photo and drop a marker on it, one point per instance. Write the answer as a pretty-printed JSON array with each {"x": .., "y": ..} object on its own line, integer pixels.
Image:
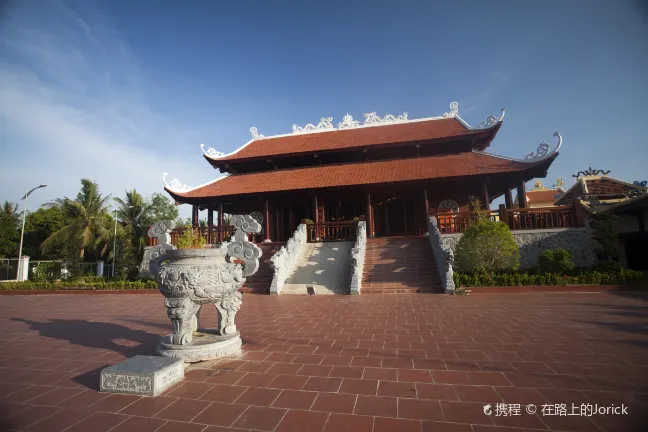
[
  {"x": 599, "y": 187},
  {"x": 358, "y": 137},
  {"x": 361, "y": 173},
  {"x": 548, "y": 195}
]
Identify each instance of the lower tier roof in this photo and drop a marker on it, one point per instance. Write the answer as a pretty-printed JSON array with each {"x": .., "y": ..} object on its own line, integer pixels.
[{"x": 359, "y": 173}]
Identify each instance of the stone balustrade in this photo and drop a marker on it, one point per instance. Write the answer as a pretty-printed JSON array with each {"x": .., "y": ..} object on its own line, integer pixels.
[
  {"x": 283, "y": 261},
  {"x": 443, "y": 255},
  {"x": 358, "y": 258}
]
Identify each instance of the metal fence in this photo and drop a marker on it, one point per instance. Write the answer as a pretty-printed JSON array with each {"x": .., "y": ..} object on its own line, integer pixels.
[{"x": 8, "y": 269}]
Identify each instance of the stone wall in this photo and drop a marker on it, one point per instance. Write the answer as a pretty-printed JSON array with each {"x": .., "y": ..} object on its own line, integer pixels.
[{"x": 531, "y": 242}]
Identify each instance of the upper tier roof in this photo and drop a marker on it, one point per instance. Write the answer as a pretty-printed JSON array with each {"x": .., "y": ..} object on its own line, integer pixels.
[
  {"x": 362, "y": 173},
  {"x": 353, "y": 134}
]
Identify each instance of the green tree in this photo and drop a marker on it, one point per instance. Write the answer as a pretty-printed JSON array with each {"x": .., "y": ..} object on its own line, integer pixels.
[
  {"x": 10, "y": 210},
  {"x": 183, "y": 223},
  {"x": 485, "y": 246},
  {"x": 605, "y": 227},
  {"x": 134, "y": 211},
  {"x": 39, "y": 225},
  {"x": 9, "y": 237},
  {"x": 87, "y": 223},
  {"x": 161, "y": 208}
]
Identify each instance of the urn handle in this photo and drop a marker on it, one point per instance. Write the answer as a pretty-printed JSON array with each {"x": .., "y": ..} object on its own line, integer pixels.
[{"x": 160, "y": 230}]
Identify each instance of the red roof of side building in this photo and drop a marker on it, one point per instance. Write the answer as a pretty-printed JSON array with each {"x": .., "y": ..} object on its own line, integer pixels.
[
  {"x": 361, "y": 173},
  {"x": 547, "y": 195},
  {"x": 360, "y": 137},
  {"x": 599, "y": 187}
]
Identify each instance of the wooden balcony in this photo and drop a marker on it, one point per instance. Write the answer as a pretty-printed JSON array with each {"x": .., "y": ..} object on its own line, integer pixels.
[
  {"x": 212, "y": 235},
  {"x": 331, "y": 231},
  {"x": 516, "y": 219}
]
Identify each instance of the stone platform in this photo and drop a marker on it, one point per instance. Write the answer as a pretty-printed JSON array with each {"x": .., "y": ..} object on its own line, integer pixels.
[
  {"x": 206, "y": 345},
  {"x": 142, "y": 375}
]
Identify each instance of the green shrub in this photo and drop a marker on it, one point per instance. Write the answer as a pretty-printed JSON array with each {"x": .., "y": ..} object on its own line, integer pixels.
[
  {"x": 526, "y": 278},
  {"x": 486, "y": 246},
  {"x": 100, "y": 285},
  {"x": 46, "y": 271},
  {"x": 555, "y": 261},
  {"x": 606, "y": 266},
  {"x": 191, "y": 239}
]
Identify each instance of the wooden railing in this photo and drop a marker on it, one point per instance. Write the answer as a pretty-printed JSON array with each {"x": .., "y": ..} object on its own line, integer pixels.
[
  {"x": 516, "y": 219},
  {"x": 331, "y": 231},
  {"x": 212, "y": 235}
]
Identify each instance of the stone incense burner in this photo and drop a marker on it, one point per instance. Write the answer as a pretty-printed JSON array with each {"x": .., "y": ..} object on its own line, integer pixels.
[{"x": 191, "y": 278}]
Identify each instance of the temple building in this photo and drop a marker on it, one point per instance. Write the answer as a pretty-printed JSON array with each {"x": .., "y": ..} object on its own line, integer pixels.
[
  {"x": 392, "y": 171},
  {"x": 541, "y": 196}
]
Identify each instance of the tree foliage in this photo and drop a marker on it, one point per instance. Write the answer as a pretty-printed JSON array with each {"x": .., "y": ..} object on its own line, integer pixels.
[
  {"x": 9, "y": 236},
  {"x": 161, "y": 208},
  {"x": 40, "y": 225},
  {"x": 87, "y": 223},
  {"x": 605, "y": 227},
  {"x": 134, "y": 211},
  {"x": 485, "y": 246}
]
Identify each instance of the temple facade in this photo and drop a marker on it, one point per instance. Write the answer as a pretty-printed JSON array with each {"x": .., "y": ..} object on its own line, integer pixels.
[{"x": 391, "y": 171}]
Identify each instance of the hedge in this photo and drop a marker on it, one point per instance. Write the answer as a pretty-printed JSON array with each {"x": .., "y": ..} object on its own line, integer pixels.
[
  {"x": 523, "y": 278},
  {"x": 114, "y": 285}
]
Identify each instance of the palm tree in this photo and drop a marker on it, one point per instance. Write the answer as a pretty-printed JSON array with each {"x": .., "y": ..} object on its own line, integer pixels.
[
  {"x": 11, "y": 210},
  {"x": 87, "y": 221},
  {"x": 134, "y": 210}
]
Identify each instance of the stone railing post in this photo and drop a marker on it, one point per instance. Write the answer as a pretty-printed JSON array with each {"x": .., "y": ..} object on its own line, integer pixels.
[
  {"x": 283, "y": 261},
  {"x": 358, "y": 257},
  {"x": 100, "y": 268},
  {"x": 22, "y": 273},
  {"x": 444, "y": 257}
]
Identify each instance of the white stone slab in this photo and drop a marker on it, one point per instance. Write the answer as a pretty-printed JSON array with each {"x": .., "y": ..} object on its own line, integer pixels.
[{"x": 142, "y": 375}]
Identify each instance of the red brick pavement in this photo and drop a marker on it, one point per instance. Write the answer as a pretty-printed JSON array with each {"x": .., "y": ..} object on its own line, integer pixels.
[{"x": 334, "y": 363}]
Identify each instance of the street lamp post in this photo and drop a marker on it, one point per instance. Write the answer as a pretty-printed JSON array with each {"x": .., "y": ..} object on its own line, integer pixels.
[{"x": 22, "y": 232}]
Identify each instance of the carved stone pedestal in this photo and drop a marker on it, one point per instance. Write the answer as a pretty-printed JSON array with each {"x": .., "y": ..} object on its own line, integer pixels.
[
  {"x": 205, "y": 345},
  {"x": 142, "y": 375}
]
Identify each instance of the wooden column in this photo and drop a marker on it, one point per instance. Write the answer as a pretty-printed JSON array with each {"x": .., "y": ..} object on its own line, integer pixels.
[
  {"x": 315, "y": 209},
  {"x": 210, "y": 224},
  {"x": 194, "y": 216},
  {"x": 426, "y": 208},
  {"x": 405, "y": 216},
  {"x": 503, "y": 214},
  {"x": 266, "y": 220},
  {"x": 521, "y": 193},
  {"x": 387, "y": 230},
  {"x": 291, "y": 221},
  {"x": 278, "y": 235},
  {"x": 221, "y": 222},
  {"x": 370, "y": 218},
  {"x": 508, "y": 199},
  {"x": 486, "y": 197}
]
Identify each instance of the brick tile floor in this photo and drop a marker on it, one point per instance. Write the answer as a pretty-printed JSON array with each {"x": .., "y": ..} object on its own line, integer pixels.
[{"x": 390, "y": 363}]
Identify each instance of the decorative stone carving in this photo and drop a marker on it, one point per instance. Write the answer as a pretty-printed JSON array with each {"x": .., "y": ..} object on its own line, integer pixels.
[
  {"x": 257, "y": 216},
  {"x": 255, "y": 133},
  {"x": 283, "y": 262},
  {"x": 325, "y": 123},
  {"x": 358, "y": 258},
  {"x": 492, "y": 120},
  {"x": 211, "y": 152},
  {"x": 451, "y": 204},
  {"x": 373, "y": 119},
  {"x": 443, "y": 255},
  {"x": 348, "y": 122},
  {"x": 189, "y": 278},
  {"x": 175, "y": 184},
  {"x": 542, "y": 152}
]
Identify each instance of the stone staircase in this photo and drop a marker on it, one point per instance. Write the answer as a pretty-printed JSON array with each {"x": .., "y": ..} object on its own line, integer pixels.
[
  {"x": 259, "y": 283},
  {"x": 400, "y": 265}
]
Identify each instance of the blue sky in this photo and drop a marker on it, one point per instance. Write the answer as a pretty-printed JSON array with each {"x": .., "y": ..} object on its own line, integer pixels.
[{"x": 120, "y": 91}]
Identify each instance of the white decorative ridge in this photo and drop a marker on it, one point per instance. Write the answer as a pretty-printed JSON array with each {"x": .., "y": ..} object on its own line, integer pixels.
[
  {"x": 255, "y": 133},
  {"x": 325, "y": 123},
  {"x": 175, "y": 184},
  {"x": 372, "y": 119},
  {"x": 492, "y": 120},
  {"x": 542, "y": 152},
  {"x": 454, "y": 111},
  {"x": 348, "y": 122},
  {"x": 211, "y": 152}
]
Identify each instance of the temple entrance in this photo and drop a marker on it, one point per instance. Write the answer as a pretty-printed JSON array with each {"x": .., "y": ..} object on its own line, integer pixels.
[{"x": 395, "y": 216}]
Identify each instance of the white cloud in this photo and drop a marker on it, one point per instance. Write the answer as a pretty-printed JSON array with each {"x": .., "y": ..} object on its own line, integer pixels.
[{"x": 71, "y": 108}]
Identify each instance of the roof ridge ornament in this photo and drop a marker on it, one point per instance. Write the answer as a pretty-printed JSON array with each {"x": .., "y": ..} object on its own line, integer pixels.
[
  {"x": 325, "y": 123},
  {"x": 542, "y": 152},
  {"x": 372, "y": 119},
  {"x": 211, "y": 152},
  {"x": 492, "y": 120},
  {"x": 590, "y": 172},
  {"x": 255, "y": 133},
  {"x": 175, "y": 184},
  {"x": 454, "y": 111},
  {"x": 348, "y": 122}
]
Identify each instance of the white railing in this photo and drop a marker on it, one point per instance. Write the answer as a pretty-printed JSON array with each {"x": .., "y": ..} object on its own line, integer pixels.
[
  {"x": 283, "y": 262},
  {"x": 358, "y": 258},
  {"x": 444, "y": 257}
]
